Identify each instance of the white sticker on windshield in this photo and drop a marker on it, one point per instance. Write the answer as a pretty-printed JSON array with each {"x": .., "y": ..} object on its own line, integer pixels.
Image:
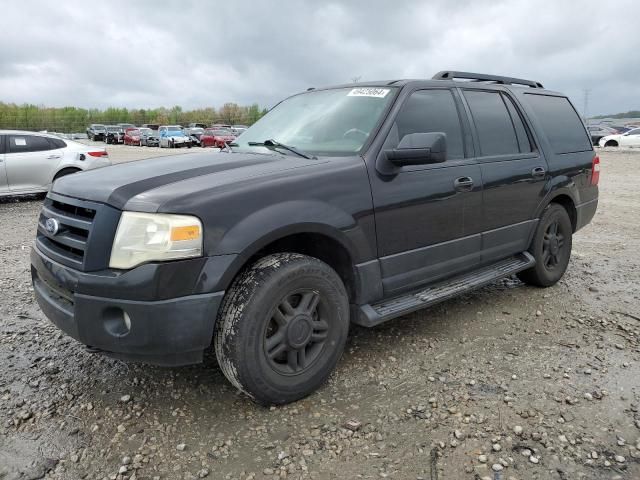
[
  {"x": 369, "y": 92},
  {"x": 19, "y": 142}
]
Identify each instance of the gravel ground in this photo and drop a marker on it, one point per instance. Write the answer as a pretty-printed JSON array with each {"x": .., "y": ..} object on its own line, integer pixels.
[{"x": 509, "y": 382}]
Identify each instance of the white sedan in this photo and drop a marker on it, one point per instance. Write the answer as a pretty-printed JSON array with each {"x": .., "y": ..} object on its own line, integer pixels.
[
  {"x": 30, "y": 161},
  {"x": 628, "y": 139}
]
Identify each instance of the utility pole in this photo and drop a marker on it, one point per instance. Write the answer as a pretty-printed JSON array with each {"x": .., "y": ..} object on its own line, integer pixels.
[{"x": 585, "y": 108}]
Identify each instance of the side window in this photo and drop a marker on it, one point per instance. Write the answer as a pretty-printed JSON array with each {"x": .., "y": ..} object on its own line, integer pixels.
[
  {"x": 57, "y": 143},
  {"x": 560, "y": 123},
  {"x": 524, "y": 140},
  {"x": 635, "y": 131},
  {"x": 496, "y": 132},
  {"x": 427, "y": 111},
  {"x": 28, "y": 143}
]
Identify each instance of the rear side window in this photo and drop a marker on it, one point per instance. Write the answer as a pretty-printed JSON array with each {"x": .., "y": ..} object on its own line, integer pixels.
[
  {"x": 57, "y": 143},
  {"x": 427, "y": 111},
  {"x": 560, "y": 123},
  {"x": 495, "y": 128},
  {"x": 28, "y": 143}
]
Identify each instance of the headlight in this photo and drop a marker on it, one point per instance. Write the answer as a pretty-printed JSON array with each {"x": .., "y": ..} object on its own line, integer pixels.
[{"x": 145, "y": 237}]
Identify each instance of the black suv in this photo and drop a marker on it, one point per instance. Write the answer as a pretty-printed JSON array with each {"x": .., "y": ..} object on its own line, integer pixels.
[
  {"x": 96, "y": 132},
  {"x": 356, "y": 203}
]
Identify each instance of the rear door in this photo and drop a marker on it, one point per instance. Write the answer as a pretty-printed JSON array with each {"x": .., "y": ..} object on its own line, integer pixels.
[
  {"x": 30, "y": 162},
  {"x": 4, "y": 186},
  {"x": 514, "y": 172}
]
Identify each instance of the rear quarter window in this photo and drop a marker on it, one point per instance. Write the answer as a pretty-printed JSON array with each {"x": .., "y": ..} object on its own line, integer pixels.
[{"x": 560, "y": 123}]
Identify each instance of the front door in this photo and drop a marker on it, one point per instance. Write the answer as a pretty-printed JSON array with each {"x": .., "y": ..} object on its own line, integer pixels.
[
  {"x": 30, "y": 162},
  {"x": 514, "y": 173},
  {"x": 427, "y": 215}
]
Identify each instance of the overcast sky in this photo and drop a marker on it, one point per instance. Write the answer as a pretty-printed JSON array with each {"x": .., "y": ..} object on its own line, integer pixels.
[{"x": 141, "y": 54}]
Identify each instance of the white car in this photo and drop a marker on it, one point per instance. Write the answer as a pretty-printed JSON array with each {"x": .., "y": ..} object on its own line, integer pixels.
[
  {"x": 172, "y": 136},
  {"x": 30, "y": 161},
  {"x": 628, "y": 139}
]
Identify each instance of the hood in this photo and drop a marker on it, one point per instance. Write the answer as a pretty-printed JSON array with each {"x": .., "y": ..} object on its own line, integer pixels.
[{"x": 147, "y": 185}]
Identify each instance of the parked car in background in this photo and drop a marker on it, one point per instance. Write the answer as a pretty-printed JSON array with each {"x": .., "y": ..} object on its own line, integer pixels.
[
  {"x": 131, "y": 136},
  {"x": 197, "y": 125},
  {"x": 96, "y": 132},
  {"x": 220, "y": 125},
  {"x": 238, "y": 129},
  {"x": 172, "y": 136},
  {"x": 152, "y": 126},
  {"x": 126, "y": 125},
  {"x": 216, "y": 137},
  {"x": 149, "y": 137},
  {"x": 628, "y": 139},
  {"x": 596, "y": 132},
  {"x": 195, "y": 133},
  {"x": 620, "y": 128},
  {"x": 30, "y": 161},
  {"x": 114, "y": 134}
]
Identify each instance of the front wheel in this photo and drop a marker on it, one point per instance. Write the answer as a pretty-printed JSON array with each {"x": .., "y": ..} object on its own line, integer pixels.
[
  {"x": 282, "y": 328},
  {"x": 551, "y": 248}
]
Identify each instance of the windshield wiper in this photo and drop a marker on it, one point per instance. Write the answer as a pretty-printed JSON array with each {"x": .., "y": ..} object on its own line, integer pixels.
[{"x": 275, "y": 144}]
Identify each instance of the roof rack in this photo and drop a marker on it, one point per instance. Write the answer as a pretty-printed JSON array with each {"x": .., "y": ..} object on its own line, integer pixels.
[{"x": 483, "y": 77}]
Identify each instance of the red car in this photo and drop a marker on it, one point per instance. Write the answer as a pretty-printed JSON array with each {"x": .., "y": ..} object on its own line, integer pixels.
[
  {"x": 216, "y": 137},
  {"x": 132, "y": 136}
]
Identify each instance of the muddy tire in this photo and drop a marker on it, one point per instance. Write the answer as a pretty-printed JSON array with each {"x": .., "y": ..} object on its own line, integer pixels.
[
  {"x": 551, "y": 247},
  {"x": 282, "y": 327}
]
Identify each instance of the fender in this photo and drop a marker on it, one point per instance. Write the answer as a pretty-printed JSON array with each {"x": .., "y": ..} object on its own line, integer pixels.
[
  {"x": 560, "y": 185},
  {"x": 280, "y": 220}
]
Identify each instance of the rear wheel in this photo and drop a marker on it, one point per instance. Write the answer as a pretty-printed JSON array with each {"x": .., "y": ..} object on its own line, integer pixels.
[
  {"x": 282, "y": 328},
  {"x": 551, "y": 247}
]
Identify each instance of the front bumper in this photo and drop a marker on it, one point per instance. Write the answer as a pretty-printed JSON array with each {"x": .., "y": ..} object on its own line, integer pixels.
[{"x": 150, "y": 314}]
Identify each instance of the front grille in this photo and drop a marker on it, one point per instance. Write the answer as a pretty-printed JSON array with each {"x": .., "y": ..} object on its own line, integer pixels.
[{"x": 85, "y": 232}]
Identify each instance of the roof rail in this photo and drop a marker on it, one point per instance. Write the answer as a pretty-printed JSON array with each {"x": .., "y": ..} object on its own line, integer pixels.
[{"x": 483, "y": 77}]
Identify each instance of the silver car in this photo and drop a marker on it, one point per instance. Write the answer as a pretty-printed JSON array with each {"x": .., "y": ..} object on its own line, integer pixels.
[{"x": 30, "y": 161}]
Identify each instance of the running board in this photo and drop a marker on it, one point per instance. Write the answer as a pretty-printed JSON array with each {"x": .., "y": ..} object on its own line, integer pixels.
[{"x": 371, "y": 315}]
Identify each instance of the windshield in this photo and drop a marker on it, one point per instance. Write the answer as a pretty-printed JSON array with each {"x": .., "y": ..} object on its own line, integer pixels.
[
  {"x": 114, "y": 129},
  {"x": 334, "y": 122},
  {"x": 222, "y": 133}
]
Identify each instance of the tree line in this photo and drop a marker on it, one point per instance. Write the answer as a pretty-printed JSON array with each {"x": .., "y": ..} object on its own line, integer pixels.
[
  {"x": 73, "y": 119},
  {"x": 629, "y": 114}
]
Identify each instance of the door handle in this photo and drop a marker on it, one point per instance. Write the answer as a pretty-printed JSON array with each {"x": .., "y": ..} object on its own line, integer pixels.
[
  {"x": 538, "y": 172},
  {"x": 463, "y": 184},
  {"x": 51, "y": 157}
]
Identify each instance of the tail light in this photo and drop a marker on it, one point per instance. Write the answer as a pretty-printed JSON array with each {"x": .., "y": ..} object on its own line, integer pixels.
[
  {"x": 99, "y": 153},
  {"x": 595, "y": 170}
]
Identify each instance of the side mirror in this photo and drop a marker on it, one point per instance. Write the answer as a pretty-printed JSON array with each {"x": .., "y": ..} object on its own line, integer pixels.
[{"x": 419, "y": 149}]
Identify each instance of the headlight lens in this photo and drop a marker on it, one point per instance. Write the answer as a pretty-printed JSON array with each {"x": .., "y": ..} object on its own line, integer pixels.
[{"x": 145, "y": 237}]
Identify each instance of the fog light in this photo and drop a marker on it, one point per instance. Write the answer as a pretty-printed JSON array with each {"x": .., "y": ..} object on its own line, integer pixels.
[{"x": 116, "y": 321}]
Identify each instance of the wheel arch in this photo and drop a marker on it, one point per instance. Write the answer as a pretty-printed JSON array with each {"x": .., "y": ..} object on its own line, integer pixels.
[
  {"x": 315, "y": 239},
  {"x": 567, "y": 201},
  {"x": 67, "y": 170}
]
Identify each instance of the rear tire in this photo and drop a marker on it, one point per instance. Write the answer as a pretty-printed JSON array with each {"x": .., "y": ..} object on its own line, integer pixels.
[
  {"x": 551, "y": 247},
  {"x": 282, "y": 328},
  {"x": 611, "y": 143}
]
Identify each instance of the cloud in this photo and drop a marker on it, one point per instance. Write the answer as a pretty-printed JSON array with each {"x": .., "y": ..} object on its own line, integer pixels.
[{"x": 147, "y": 53}]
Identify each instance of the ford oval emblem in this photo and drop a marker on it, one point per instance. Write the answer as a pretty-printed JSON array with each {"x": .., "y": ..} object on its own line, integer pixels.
[{"x": 52, "y": 226}]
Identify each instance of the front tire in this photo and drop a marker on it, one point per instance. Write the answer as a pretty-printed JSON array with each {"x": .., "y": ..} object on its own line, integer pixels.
[
  {"x": 282, "y": 328},
  {"x": 551, "y": 247}
]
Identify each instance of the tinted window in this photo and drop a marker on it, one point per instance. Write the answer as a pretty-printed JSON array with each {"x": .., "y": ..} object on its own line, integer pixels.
[
  {"x": 634, "y": 132},
  {"x": 560, "y": 123},
  {"x": 57, "y": 143},
  {"x": 522, "y": 134},
  {"x": 28, "y": 143},
  {"x": 429, "y": 111},
  {"x": 496, "y": 133}
]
